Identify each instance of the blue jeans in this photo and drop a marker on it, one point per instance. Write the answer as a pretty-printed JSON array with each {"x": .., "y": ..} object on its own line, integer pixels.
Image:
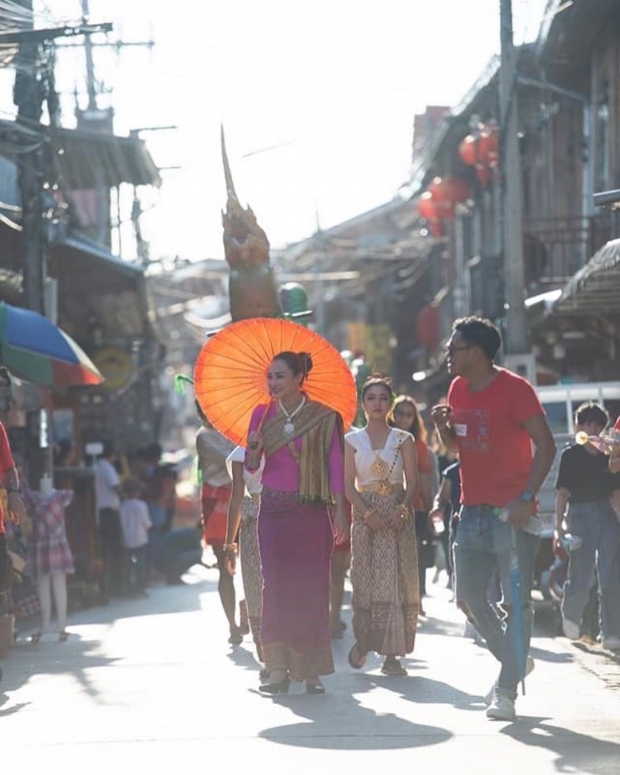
[
  {"x": 481, "y": 549},
  {"x": 597, "y": 526}
]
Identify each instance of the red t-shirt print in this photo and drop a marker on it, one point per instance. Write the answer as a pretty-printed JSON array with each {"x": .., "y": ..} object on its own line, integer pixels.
[
  {"x": 472, "y": 429},
  {"x": 495, "y": 450},
  {"x": 617, "y": 425}
]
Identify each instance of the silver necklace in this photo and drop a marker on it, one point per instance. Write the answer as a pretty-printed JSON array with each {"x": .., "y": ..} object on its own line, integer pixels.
[{"x": 289, "y": 428}]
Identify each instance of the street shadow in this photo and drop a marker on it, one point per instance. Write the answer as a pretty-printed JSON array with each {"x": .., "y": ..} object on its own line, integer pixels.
[
  {"x": 575, "y": 751},
  {"x": 419, "y": 689},
  {"x": 13, "y": 709},
  {"x": 338, "y": 721},
  {"x": 80, "y": 655},
  {"x": 543, "y": 655},
  {"x": 162, "y": 599},
  {"x": 433, "y": 625},
  {"x": 77, "y": 658},
  {"x": 596, "y": 649},
  {"x": 244, "y": 656}
]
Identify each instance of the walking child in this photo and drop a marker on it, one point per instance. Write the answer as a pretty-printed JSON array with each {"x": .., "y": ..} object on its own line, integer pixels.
[{"x": 135, "y": 526}]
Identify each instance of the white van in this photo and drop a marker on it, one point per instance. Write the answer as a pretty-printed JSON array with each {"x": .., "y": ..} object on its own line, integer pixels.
[{"x": 561, "y": 401}]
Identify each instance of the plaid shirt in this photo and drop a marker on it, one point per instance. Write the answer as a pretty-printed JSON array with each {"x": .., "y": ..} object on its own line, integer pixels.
[{"x": 49, "y": 547}]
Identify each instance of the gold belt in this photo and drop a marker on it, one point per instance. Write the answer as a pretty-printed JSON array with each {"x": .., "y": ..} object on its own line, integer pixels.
[{"x": 382, "y": 488}]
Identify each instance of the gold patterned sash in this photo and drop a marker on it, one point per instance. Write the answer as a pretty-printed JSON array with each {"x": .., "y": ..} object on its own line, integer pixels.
[
  {"x": 315, "y": 425},
  {"x": 274, "y": 437}
]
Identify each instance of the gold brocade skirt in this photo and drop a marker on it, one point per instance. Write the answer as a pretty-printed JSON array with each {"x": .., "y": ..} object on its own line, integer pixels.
[
  {"x": 384, "y": 577},
  {"x": 250, "y": 564}
]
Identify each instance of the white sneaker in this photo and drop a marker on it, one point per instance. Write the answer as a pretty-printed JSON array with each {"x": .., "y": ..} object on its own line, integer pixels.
[
  {"x": 529, "y": 666},
  {"x": 571, "y": 630},
  {"x": 501, "y": 709},
  {"x": 612, "y": 643}
]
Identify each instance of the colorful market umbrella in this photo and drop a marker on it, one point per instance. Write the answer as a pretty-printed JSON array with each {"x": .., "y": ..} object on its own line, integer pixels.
[
  {"x": 230, "y": 375},
  {"x": 35, "y": 349}
]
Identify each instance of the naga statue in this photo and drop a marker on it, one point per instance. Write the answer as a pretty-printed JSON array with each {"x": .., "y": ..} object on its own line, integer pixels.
[{"x": 252, "y": 286}]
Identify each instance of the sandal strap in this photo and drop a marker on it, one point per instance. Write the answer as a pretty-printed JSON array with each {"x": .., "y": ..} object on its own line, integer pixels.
[{"x": 361, "y": 656}]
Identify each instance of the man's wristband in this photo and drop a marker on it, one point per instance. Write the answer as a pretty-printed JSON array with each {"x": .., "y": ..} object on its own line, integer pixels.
[{"x": 527, "y": 496}]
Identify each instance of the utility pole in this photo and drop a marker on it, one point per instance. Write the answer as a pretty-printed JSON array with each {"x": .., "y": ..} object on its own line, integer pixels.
[
  {"x": 34, "y": 85},
  {"x": 96, "y": 119},
  {"x": 28, "y": 96},
  {"x": 90, "y": 64},
  {"x": 512, "y": 224}
]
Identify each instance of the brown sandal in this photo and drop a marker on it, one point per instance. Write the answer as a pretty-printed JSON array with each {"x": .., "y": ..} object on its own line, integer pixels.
[
  {"x": 392, "y": 666},
  {"x": 357, "y": 664},
  {"x": 63, "y": 635}
]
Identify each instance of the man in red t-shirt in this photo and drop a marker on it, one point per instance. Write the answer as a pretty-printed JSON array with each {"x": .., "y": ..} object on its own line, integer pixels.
[
  {"x": 14, "y": 508},
  {"x": 491, "y": 418}
]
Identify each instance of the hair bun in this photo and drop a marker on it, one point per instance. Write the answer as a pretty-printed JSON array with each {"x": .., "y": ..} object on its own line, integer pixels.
[
  {"x": 305, "y": 360},
  {"x": 377, "y": 376}
]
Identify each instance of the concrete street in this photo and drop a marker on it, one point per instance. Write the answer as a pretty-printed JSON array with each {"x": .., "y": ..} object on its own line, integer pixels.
[{"x": 152, "y": 686}]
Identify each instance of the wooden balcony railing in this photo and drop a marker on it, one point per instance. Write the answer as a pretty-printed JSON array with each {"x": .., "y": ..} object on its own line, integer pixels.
[{"x": 556, "y": 248}]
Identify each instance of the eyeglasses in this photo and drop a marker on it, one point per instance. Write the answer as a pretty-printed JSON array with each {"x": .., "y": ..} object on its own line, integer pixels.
[{"x": 452, "y": 349}]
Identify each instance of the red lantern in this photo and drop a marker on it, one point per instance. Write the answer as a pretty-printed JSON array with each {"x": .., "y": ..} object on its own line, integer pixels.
[
  {"x": 457, "y": 190},
  {"x": 427, "y": 208},
  {"x": 482, "y": 152},
  {"x": 447, "y": 192},
  {"x": 468, "y": 150},
  {"x": 439, "y": 191}
]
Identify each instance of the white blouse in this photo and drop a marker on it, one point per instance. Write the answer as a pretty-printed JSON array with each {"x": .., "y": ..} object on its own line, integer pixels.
[
  {"x": 253, "y": 484},
  {"x": 377, "y": 465}
]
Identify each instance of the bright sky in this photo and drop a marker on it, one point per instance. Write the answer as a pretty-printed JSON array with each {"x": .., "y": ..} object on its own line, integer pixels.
[{"x": 334, "y": 83}]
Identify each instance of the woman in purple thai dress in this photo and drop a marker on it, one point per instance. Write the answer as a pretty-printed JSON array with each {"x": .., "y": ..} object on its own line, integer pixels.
[{"x": 302, "y": 442}]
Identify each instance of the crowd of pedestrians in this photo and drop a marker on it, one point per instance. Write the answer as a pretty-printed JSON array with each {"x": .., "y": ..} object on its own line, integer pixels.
[
  {"x": 470, "y": 495},
  {"x": 36, "y": 557},
  {"x": 309, "y": 501}
]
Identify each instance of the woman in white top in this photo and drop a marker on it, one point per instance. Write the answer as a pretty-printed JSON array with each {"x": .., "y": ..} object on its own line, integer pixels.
[
  {"x": 381, "y": 481},
  {"x": 242, "y": 513}
]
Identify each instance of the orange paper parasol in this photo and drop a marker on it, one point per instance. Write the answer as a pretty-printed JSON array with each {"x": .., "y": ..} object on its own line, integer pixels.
[{"x": 230, "y": 376}]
